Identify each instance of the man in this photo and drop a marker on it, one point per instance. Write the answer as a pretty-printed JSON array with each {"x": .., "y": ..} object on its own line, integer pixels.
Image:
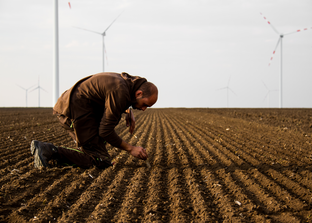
[{"x": 89, "y": 111}]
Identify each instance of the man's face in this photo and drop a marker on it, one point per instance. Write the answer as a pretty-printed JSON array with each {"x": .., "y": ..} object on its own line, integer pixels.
[{"x": 144, "y": 103}]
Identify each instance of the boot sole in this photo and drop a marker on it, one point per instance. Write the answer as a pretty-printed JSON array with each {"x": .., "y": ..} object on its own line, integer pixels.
[{"x": 34, "y": 151}]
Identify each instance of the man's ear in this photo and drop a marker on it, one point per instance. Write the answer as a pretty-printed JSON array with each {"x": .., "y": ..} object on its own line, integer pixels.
[{"x": 138, "y": 94}]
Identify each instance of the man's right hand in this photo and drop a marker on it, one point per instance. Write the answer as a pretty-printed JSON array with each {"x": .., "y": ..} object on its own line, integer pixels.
[
  {"x": 136, "y": 151},
  {"x": 139, "y": 152}
]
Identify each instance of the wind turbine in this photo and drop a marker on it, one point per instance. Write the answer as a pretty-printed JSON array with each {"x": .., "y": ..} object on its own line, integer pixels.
[
  {"x": 268, "y": 94},
  {"x": 280, "y": 40},
  {"x": 55, "y": 75},
  {"x": 26, "y": 90},
  {"x": 227, "y": 91},
  {"x": 103, "y": 35},
  {"x": 39, "y": 88}
]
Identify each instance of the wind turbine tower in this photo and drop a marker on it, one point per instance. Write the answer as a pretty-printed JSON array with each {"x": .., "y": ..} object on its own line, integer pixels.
[
  {"x": 268, "y": 94},
  {"x": 227, "y": 91},
  {"x": 26, "y": 90},
  {"x": 39, "y": 88},
  {"x": 103, "y": 36},
  {"x": 280, "y": 40},
  {"x": 55, "y": 78}
]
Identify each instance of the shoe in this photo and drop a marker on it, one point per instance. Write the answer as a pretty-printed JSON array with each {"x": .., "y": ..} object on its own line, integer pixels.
[{"x": 43, "y": 152}]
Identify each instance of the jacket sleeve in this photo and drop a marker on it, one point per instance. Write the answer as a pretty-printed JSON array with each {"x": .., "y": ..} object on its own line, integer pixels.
[{"x": 115, "y": 104}]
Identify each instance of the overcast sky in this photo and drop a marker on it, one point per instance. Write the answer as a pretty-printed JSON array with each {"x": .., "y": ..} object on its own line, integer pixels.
[{"x": 189, "y": 48}]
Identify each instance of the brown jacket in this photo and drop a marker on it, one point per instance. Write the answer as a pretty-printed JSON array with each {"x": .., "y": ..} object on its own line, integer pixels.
[{"x": 95, "y": 104}]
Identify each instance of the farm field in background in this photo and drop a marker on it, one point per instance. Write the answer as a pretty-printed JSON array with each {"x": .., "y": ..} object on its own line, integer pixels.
[{"x": 207, "y": 165}]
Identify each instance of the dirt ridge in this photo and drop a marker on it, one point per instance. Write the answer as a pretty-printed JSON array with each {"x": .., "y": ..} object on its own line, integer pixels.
[{"x": 207, "y": 165}]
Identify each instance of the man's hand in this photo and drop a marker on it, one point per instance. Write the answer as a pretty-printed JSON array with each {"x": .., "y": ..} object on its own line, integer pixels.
[
  {"x": 136, "y": 151},
  {"x": 139, "y": 152},
  {"x": 130, "y": 120}
]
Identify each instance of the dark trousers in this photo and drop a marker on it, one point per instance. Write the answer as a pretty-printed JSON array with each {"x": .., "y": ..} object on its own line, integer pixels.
[
  {"x": 85, "y": 156},
  {"x": 76, "y": 157}
]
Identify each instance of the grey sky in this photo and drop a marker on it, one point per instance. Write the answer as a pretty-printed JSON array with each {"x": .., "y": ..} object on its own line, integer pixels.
[{"x": 188, "y": 48}]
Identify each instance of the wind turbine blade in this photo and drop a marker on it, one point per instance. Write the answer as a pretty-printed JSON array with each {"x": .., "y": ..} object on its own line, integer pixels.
[
  {"x": 38, "y": 88},
  {"x": 279, "y": 39},
  {"x": 111, "y": 23},
  {"x": 266, "y": 95},
  {"x": 270, "y": 24},
  {"x": 232, "y": 91},
  {"x": 43, "y": 89},
  {"x": 221, "y": 88},
  {"x": 34, "y": 89},
  {"x": 26, "y": 89},
  {"x": 87, "y": 30},
  {"x": 265, "y": 85},
  {"x": 31, "y": 86},
  {"x": 298, "y": 30},
  {"x": 229, "y": 81},
  {"x": 21, "y": 87}
]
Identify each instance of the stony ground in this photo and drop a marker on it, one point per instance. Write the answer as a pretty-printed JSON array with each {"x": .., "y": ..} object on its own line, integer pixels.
[{"x": 207, "y": 165}]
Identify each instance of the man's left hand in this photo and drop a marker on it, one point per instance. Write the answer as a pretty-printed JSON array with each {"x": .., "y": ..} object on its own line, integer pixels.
[{"x": 130, "y": 121}]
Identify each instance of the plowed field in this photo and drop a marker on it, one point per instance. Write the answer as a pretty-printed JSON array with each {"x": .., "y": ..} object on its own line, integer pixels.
[{"x": 207, "y": 165}]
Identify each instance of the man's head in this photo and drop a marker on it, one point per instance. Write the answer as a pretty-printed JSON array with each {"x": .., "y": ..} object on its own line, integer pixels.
[{"x": 146, "y": 96}]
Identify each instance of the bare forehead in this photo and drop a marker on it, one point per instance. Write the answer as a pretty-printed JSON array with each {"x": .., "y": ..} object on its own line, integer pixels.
[{"x": 152, "y": 99}]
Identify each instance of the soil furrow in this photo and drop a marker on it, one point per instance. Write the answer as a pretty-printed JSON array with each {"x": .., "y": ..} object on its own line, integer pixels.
[
  {"x": 269, "y": 201},
  {"x": 131, "y": 209},
  {"x": 34, "y": 184},
  {"x": 157, "y": 197},
  {"x": 253, "y": 141},
  {"x": 253, "y": 183},
  {"x": 155, "y": 210},
  {"x": 105, "y": 199},
  {"x": 38, "y": 203},
  {"x": 179, "y": 195},
  {"x": 16, "y": 170},
  {"x": 228, "y": 181},
  {"x": 207, "y": 165},
  {"x": 250, "y": 160},
  {"x": 132, "y": 199},
  {"x": 68, "y": 193},
  {"x": 302, "y": 191},
  {"x": 194, "y": 150}
]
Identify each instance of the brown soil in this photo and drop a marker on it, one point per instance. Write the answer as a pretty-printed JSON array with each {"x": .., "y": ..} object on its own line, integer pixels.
[{"x": 207, "y": 165}]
